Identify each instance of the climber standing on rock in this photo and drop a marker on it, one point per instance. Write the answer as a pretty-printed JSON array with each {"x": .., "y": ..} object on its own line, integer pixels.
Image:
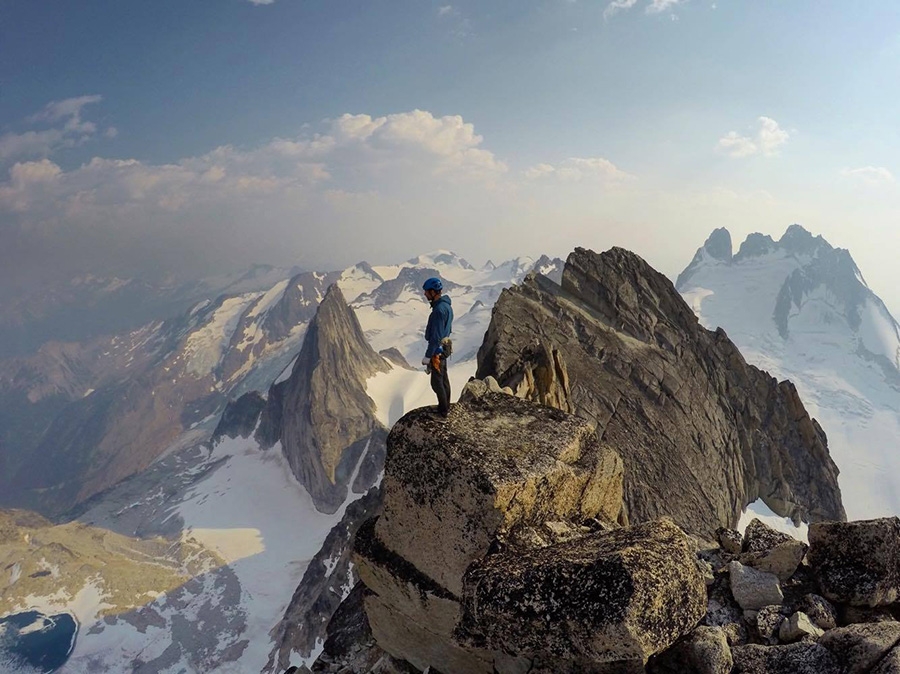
[{"x": 437, "y": 334}]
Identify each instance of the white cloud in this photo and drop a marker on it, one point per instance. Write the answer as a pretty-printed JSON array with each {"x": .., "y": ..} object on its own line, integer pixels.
[
  {"x": 262, "y": 2},
  {"x": 768, "y": 139},
  {"x": 770, "y": 136},
  {"x": 449, "y": 142},
  {"x": 65, "y": 109},
  {"x": 659, "y": 6},
  {"x": 68, "y": 129},
  {"x": 655, "y": 6},
  {"x": 736, "y": 145},
  {"x": 618, "y": 5},
  {"x": 876, "y": 175},
  {"x": 30, "y": 143},
  {"x": 579, "y": 169},
  {"x": 444, "y": 10}
]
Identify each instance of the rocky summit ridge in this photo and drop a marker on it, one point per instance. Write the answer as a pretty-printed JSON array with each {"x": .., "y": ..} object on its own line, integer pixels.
[
  {"x": 498, "y": 552},
  {"x": 559, "y": 520},
  {"x": 701, "y": 433}
]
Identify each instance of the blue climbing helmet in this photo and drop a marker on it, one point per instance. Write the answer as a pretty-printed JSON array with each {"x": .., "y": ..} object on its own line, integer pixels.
[{"x": 434, "y": 283}]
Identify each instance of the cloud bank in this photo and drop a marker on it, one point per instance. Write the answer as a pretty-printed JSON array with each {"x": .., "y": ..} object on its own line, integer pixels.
[{"x": 359, "y": 186}]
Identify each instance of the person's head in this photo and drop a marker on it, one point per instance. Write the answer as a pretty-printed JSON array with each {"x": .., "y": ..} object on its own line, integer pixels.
[{"x": 432, "y": 288}]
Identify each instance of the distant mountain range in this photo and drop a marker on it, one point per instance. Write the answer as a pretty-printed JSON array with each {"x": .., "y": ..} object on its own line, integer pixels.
[
  {"x": 800, "y": 309},
  {"x": 110, "y": 435}
]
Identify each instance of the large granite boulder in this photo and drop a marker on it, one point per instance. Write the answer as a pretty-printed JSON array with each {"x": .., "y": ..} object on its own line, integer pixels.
[
  {"x": 802, "y": 658},
  {"x": 613, "y": 597},
  {"x": 858, "y": 648},
  {"x": 857, "y": 563},
  {"x": 500, "y": 463},
  {"x": 772, "y": 551},
  {"x": 754, "y": 589},
  {"x": 703, "y": 651},
  {"x": 701, "y": 432}
]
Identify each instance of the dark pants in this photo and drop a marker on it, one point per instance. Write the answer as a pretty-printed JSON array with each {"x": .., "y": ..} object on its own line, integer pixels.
[{"x": 440, "y": 384}]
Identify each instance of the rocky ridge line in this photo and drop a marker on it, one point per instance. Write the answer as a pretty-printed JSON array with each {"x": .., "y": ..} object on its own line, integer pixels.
[{"x": 678, "y": 402}]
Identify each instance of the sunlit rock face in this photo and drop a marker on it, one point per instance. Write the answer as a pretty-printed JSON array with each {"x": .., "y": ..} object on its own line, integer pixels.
[{"x": 701, "y": 433}]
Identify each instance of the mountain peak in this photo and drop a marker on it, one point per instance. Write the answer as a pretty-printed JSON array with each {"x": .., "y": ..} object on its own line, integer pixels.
[
  {"x": 321, "y": 413},
  {"x": 798, "y": 241},
  {"x": 718, "y": 245},
  {"x": 440, "y": 258},
  {"x": 654, "y": 351}
]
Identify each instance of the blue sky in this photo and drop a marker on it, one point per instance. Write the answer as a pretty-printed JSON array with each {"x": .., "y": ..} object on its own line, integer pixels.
[{"x": 192, "y": 136}]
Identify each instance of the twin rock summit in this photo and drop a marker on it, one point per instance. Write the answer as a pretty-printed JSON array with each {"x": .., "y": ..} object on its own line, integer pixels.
[{"x": 575, "y": 513}]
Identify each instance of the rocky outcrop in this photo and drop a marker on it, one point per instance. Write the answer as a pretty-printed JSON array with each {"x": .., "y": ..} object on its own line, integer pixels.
[
  {"x": 499, "y": 466},
  {"x": 498, "y": 548},
  {"x": 857, "y": 563},
  {"x": 678, "y": 402},
  {"x": 540, "y": 375},
  {"x": 240, "y": 417},
  {"x": 476, "y": 566},
  {"x": 393, "y": 354},
  {"x": 603, "y": 598},
  {"x": 326, "y": 581},
  {"x": 321, "y": 413}
]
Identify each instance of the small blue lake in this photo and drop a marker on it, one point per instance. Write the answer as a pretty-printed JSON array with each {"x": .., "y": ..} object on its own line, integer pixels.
[{"x": 32, "y": 641}]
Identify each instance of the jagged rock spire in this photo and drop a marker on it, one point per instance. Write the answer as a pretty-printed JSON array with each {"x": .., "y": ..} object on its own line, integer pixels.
[{"x": 321, "y": 413}]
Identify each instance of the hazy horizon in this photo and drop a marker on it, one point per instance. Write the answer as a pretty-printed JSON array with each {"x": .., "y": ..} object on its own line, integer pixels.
[{"x": 155, "y": 140}]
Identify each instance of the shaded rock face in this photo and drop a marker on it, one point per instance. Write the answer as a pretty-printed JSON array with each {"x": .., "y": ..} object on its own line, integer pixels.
[
  {"x": 497, "y": 548},
  {"x": 701, "y": 433},
  {"x": 240, "y": 416},
  {"x": 321, "y": 413},
  {"x": 393, "y": 354},
  {"x": 325, "y": 583},
  {"x": 857, "y": 563},
  {"x": 540, "y": 375},
  {"x": 604, "y": 597}
]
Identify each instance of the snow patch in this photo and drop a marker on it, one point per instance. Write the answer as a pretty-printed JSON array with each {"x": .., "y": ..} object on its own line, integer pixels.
[
  {"x": 254, "y": 513},
  {"x": 205, "y": 346},
  {"x": 398, "y": 391},
  {"x": 759, "y": 510}
]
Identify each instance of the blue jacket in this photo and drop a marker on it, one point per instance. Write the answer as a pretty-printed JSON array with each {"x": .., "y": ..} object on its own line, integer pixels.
[{"x": 440, "y": 325}]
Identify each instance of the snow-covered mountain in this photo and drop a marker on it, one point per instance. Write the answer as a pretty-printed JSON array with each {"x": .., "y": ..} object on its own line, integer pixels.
[
  {"x": 119, "y": 425},
  {"x": 86, "y": 306},
  {"x": 800, "y": 309}
]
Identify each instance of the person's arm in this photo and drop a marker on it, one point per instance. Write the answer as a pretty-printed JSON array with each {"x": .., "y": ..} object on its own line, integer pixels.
[{"x": 432, "y": 335}]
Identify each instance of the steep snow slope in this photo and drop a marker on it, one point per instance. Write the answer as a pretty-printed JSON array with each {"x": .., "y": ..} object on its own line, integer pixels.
[
  {"x": 244, "y": 505},
  {"x": 800, "y": 309}
]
